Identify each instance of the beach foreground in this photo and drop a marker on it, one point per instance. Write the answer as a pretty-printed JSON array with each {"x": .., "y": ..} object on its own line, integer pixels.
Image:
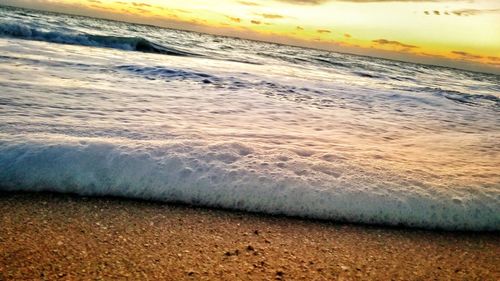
[{"x": 49, "y": 236}]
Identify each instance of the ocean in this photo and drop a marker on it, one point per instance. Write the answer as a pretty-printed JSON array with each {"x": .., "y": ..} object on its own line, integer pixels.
[{"x": 103, "y": 108}]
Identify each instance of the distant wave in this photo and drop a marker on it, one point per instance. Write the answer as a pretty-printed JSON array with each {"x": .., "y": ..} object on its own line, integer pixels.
[
  {"x": 462, "y": 98},
  {"x": 22, "y": 31}
]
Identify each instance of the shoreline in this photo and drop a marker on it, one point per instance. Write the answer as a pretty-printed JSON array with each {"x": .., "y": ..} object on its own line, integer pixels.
[{"x": 56, "y": 236}]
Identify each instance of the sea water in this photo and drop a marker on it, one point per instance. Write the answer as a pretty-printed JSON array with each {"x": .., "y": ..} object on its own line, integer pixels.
[{"x": 97, "y": 107}]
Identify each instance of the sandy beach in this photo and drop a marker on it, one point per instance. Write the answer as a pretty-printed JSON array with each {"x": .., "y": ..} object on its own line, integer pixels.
[{"x": 49, "y": 236}]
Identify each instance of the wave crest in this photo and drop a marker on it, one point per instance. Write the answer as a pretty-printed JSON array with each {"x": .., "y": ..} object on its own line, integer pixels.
[{"x": 22, "y": 31}]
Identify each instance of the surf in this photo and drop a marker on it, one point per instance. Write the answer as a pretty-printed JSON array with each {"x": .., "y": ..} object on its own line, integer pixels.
[
  {"x": 22, "y": 31},
  {"x": 93, "y": 167}
]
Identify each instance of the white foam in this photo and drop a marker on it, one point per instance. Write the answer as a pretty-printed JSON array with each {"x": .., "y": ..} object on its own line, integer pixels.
[{"x": 202, "y": 174}]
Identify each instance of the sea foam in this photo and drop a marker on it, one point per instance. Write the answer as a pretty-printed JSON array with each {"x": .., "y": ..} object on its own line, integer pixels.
[{"x": 201, "y": 177}]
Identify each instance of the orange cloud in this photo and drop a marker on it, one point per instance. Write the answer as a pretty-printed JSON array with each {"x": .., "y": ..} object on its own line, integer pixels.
[
  {"x": 393, "y": 43},
  {"x": 466, "y": 55},
  {"x": 271, "y": 16}
]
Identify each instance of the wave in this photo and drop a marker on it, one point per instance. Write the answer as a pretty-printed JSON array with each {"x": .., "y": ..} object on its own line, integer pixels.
[
  {"x": 169, "y": 172},
  {"x": 271, "y": 89},
  {"x": 484, "y": 100},
  {"x": 21, "y": 31}
]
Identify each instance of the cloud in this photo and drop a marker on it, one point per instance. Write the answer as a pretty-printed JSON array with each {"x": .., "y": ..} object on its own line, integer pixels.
[
  {"x": 463, "y": 12},
  {"x": 299, "y": 28},
  {"x": 248, "y": 3},
  {"x": 136, "y": 4},
  {"x": 271, "y": 16},
  {"x": 430, "y": 55},
  {"x": 256, "y": 21},
  {"x": 305, "y": 2},
  {"x": 323, "y": 31},
  {"x": 473, "y": 12},
  {"x": 347, "y": 35},
  {"x": 466, "y": 55},
  {"x": 393, "y": 43},
  {"x": 234, "y": 19},
  {"x": 494, "y": 61}
]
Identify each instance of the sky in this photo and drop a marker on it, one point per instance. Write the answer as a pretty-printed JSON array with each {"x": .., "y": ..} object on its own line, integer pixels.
[{"x": 457, "y": 33}]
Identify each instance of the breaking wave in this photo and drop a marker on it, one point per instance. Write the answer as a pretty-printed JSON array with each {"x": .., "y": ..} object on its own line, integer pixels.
[{"x": 19, "y": 30}]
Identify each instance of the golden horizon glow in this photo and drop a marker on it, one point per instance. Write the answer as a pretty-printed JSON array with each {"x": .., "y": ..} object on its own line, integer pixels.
[{"x": 460, "y": 31}]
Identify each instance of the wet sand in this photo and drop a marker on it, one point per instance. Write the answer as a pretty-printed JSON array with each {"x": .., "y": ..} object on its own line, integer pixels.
[{"x": 62, "y": 237}]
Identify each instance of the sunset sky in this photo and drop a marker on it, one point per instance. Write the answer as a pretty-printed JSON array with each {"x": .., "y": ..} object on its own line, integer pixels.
[{"x": 463, "y": 34}]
